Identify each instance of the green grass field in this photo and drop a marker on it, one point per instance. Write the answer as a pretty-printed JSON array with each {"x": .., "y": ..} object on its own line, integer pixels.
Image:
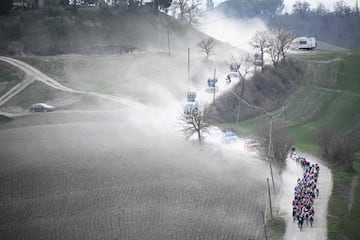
[
  {"x": 329, "y": 99},
  {"x": 342, "y": 223},
  {"x": 9, "y": 77}
]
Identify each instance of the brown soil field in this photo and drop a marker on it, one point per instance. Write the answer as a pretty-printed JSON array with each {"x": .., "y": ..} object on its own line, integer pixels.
[{"x": 116, "y": 178}]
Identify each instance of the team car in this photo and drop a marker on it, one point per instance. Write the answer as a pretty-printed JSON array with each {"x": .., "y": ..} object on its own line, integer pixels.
[
  {"x": 212, "y": 87},
  {"x": 251, "y": 144},
  {"x": 192, "y": 106},
  {"x": 229, "y": 137}
]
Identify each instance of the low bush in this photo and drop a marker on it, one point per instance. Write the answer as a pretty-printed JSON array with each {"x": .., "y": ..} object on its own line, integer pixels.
[{"x": 338, "y": 148}]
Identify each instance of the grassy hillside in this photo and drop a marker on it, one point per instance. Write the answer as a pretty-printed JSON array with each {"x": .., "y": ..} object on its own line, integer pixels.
[
  {"x": 339, "y": 100},
  {"x": 9, "y": 77},
  {"x": 330, "y": 98},
  {"x": 92, "y": 32}
]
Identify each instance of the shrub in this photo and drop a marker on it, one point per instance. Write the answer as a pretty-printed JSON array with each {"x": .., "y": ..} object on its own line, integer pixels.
[
  {"x": 268, "y": 89},
  {"x": 338, "y": 148},
  {"x": 281, "y": 143}
]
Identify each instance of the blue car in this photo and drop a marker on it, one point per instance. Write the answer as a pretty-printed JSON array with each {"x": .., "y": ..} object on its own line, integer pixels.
[{"x": 229, "y": 137}]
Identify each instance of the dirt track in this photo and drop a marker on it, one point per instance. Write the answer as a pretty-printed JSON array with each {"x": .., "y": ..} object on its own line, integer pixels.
[
  {"x": 34, "y": 74},
  {"x": 319, "y": 229}
]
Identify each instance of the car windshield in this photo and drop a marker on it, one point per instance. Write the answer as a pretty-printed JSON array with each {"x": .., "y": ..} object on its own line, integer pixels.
[
  {"x": 46, "y": 105},
  {"x": 229, "y": 134}
]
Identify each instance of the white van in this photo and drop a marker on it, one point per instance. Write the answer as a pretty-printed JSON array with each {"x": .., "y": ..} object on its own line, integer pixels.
[{"x": 307, "y": 43}]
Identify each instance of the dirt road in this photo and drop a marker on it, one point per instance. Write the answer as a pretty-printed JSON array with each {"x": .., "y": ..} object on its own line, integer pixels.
[
  {"x": 33, "y": 74},
  {"x": 289, "y": 177}
]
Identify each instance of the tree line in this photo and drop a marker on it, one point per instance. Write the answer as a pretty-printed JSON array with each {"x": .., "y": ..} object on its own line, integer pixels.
[
  {"x": 187, "y": 11},
  {"x": 337, "y": 26}
]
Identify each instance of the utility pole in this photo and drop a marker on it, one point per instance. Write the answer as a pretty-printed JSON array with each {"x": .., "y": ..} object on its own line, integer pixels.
[
  {"x": 268, "y": 187},
  {"x": 159, "y": 23},
  {"x": 262, "y": 212},
  {"x": 214, "y": 84},
  {"x": 168, "y": 35},
  {"x": 238, "y": 113},
  {"x": 284, "y": 114},
  {"x": 270, "y": 151},
  {"x": 188, "y": 65}
]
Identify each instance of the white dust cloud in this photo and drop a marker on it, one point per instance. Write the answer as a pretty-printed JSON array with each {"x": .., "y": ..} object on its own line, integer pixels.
[{"x": 236, "y": 32}]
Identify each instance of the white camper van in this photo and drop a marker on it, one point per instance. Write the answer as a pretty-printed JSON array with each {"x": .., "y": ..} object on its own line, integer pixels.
[{"x": 307, "y": 43}]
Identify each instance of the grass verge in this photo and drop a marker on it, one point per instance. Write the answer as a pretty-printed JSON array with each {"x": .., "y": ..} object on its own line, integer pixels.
[
  {"x": 276, "y": 228},
  {"x": 342, "y": 223},
  {"x": 329, "y": 99}
]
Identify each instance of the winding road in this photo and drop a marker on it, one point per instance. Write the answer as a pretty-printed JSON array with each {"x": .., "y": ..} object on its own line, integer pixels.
[
  {"x": 33, "y": 74},
  {"x": 289, "y": 177}
]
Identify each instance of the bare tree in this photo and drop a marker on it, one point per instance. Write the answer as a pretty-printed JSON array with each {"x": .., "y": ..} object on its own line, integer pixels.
[
  {"x": 192, "y": 12},
  {"x": 341, "y": 8},
  {"x": 279, "y": 43},
  {"x": 338, "y": 148},
  {"x": 273, "y": 50},
  {"x": 181, "y": 6},
  {"x": 193, "y": 124},
  {"x": 207, "y": 46},
  {"x": 277, "y": 142},
  {"x": 260, "y": 42},
  {"x": 301, "y": 7},
  {"x": 187, "y": 11},
  {"x": 323, "y": 139},
  {"x": 321, "y": 10},
  {"x": 243, "y": 66}
]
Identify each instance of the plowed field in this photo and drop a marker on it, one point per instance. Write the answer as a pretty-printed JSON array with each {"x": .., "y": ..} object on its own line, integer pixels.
[{"x": 113, "y": 179}]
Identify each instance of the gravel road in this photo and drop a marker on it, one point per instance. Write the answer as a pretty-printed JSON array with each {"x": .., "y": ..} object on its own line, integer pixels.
[
  {"x": 289, "y": 177},
  {"x": 34, "y": 74}
]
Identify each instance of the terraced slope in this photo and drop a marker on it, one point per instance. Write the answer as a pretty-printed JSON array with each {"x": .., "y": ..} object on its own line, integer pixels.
[
  {"x": 335, "y": 91},
  {"x": 330, "y": 98}
]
